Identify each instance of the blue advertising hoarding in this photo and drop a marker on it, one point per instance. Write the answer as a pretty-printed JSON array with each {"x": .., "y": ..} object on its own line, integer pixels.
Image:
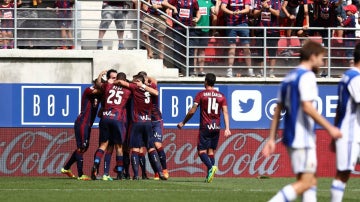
[{"x": 250, "y": 106}]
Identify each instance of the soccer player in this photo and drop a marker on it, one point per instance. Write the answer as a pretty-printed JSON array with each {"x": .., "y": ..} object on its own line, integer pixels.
[
  {"x": 112, "y": 125},
  {"x": 348, "y": 120},
  {"x": 83, "y": 123},
  {"x": 211, "y": 103},
  {"x": 140, "y": 129},
  {"x": 297, "y": 96},
  {"x": 157, "y": 125}
]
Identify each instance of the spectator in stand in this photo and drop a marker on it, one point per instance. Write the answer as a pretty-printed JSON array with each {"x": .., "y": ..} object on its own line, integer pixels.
[
  {"x": 64, "y": 12},
  {"x": 324, "y": 16},
  {"x": 27, "y": 15},
  {"x": 214, "y": 18},
  {"x": 112, "y": 10},
  {"x": 208, "y": 11},
  {"x": 7, "y": 23},
  {"x": 184, "y": 12},
  {"x": 268, "y": 12},
  {"x": 154, "y": 21},
  {"x": 237, "y": 11},
  {"x": 349, "y": 35},
  {"x": 288, "y": 14}
]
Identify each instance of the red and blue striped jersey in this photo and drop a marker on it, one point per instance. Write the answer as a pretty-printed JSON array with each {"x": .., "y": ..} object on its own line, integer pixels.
[
  {"x": 186, "y": 11},
  {"x": 234, "y": 5},
  {"x": 266, "y": 18}
]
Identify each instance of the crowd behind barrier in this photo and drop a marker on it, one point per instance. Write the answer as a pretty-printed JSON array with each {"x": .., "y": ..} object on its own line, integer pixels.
[{"x": 170, "y": 34}]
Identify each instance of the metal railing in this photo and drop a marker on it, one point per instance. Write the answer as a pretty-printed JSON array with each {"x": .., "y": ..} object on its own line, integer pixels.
[{"x": 40, "y": 27}]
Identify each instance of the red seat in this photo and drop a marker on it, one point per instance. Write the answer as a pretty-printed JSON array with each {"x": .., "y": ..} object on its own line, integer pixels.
[
  {"x": 210, "y": 50},
  {"x": 294, "y": 41},
  {"x": 316, "y": 39},
  {"x": 282, "y": 44}
]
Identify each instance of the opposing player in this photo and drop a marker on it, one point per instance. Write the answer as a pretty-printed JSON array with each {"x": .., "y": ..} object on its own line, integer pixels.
[
  {"x": 89, "y": 106},
  {"x": 297, "y": 96},
  {"x": 211, "y": 103},
  {"x": 348, "y": 120}
]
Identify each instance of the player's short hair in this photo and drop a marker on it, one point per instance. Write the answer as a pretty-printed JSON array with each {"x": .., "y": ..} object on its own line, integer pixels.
[
  {"x": 142, "y": 73},
  {"x": 357, "y": 53},
  {"x": 310, "y": 48},
  {"x": 109, "y": 72},
  {"x": 210, "y": 79},
  {"x": 121, "y": 76},
  {"x": 139, "y": 77}
]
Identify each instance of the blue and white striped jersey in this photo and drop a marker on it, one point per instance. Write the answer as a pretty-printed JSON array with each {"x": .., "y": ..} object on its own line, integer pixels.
[
  {"x": 348, "y": 109},
  {"x": 298, "y": 86}
]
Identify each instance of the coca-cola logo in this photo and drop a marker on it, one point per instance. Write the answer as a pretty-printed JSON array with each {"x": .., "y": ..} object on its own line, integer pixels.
[
  {"x": 45, "y": 152},
  {"x": 34, "y": 151},
  {"x": 232, "y": 156}
]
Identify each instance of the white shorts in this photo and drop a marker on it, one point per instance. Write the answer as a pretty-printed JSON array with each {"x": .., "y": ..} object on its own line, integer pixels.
[
  {"x": 346, "y": 154},
  {"x": 303, "y": 160}
]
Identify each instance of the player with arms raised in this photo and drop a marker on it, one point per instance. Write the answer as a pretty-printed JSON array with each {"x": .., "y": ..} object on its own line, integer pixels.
[{"x": 211, "y": 103}]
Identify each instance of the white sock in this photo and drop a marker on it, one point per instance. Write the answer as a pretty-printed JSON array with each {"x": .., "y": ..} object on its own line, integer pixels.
[
  {"x": 337, "y": 190},
  {"x": 309, "y": 195},
  {"x": 286, "y": 194}
]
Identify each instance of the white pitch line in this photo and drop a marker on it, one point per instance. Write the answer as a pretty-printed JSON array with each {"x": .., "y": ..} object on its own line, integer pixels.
[{"x": 173, "y": 190}]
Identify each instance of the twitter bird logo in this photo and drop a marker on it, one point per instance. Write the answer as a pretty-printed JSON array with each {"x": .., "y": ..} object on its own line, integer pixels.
[{"x": 245, "y": 107}]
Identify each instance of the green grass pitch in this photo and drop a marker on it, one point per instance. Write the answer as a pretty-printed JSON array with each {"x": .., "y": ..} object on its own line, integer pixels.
[{"x": 64, "y": 189}]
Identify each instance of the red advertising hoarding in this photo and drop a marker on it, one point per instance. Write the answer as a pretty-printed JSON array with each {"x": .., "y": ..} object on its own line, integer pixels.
[{"x": 44, "y": 151}]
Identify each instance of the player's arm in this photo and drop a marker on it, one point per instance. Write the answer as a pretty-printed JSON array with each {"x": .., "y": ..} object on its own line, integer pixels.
[
  {"x": 152, "y": 91},
  {"x": 98, "y": 80},
  {"x": 269, "y": 147},
  {"x": 310, "y": 110},
  {"x": 226, "y": 120},
  {"x": 188, "y": 116},
  {"x": 121, "y": 83},
  {"x": 149, "y": 89}
]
